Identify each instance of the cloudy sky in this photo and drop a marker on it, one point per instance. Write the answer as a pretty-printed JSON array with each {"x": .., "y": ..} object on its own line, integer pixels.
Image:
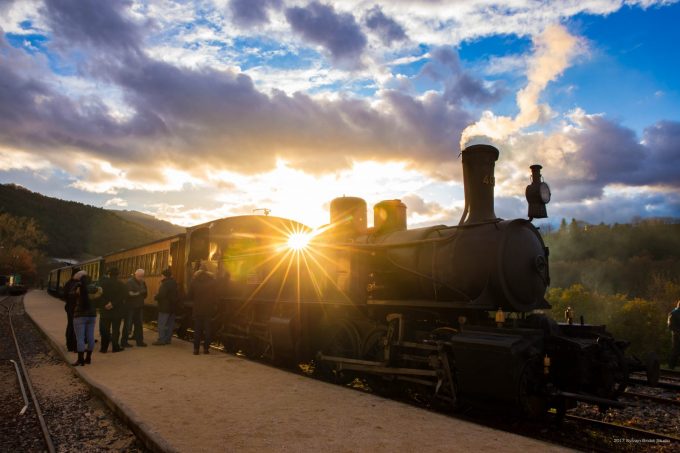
[{"x": 194, "y": 110}]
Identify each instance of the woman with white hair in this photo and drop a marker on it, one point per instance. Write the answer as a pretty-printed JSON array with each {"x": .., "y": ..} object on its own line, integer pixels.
[{"x": 84, "y": 318}]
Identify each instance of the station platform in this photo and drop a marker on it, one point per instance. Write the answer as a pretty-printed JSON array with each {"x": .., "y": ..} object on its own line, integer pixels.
[{"x": 178, "y": 402}]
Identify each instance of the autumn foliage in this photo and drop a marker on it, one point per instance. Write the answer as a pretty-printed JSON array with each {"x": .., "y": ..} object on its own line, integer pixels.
[
  {"x": 624, "y": 276},
  {"x": 20, "y": 246}
]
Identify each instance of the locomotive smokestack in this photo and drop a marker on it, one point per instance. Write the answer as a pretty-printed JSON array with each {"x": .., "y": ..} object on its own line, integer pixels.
[{"x": 479, "y": 181}]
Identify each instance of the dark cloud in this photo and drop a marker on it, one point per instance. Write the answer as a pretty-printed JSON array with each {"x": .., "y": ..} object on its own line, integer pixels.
[
  {"x": 385, "y": 27},
  {"x": 194, "y": 118},
  {"x": 210, "y": 110},
  {"x": 459, "y": 85},
  {"x": 94, "y": 23},
  {"x": 33, "y": 115},
  {"x": 620, "y": 208},
  {"x": 662, "y": 141},
  {"x": 615, "y": 154},
  {"x": 5, "y": 5},
  {"x": 610, "y": 153},
  {"x": 250, "y": 13},
  {"x": 336, "y": 32}
]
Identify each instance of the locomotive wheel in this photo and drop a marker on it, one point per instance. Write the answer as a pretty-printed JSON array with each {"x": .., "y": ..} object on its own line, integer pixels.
[
  {"x": 373, "y": 346},
  {"x": 342, "y": 340}
]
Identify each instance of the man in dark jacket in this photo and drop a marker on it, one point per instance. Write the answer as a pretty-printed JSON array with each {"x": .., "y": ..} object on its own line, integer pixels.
[
  {"x": 135, "y": 304},
  {"x": 674, "y": 326},
  {"x": 112, "y": 310},
  {"x": 71, "y": 298},
  {"x": 203, "y": 293},
  {"x": 167, "y": 306}
]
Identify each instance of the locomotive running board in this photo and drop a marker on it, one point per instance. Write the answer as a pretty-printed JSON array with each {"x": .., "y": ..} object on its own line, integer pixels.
[{"x": 344, "y": 363}]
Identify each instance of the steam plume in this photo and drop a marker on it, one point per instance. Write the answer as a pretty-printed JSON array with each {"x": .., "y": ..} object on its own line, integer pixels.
[{"x": 553, "y": 51}]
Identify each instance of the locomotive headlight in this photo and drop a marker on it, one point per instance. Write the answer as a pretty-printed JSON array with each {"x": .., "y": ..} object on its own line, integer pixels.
[
  {"x": 538, "y": 194},
  {"x": 298, "y": 241}
]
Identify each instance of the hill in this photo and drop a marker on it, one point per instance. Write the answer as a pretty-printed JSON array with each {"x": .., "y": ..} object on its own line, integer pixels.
[
  {"x": 73, "y": 229},
  {"x": 620, "y": 258},
  {"x": 149, "y": 221}
]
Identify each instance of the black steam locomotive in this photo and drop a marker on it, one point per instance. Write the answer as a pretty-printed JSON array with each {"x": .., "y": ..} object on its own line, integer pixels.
[{"x": 450, "y": 312}]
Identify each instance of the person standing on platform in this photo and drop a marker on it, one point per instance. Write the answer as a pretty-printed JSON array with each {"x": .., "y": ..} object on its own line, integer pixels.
[
  {"x": 70, "y": 296},
  {"x": 167, "y": 305},
  {"x": 203, "y": 293},
  {"x": 674, "y": 327},
  {"x": 135, "y": 303},
  {"x": 112, "y": 311},
  {"x": 84, "y": 318}
]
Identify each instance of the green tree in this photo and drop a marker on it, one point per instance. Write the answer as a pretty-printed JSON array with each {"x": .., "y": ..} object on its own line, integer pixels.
[
  {"x": 643, "y": 323},
  {"x": 20, "y": 245}
]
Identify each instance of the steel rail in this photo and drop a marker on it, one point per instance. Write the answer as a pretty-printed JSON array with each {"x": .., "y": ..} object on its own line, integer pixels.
[
  {"x": 23, "y": 389},
  {"x": 669, "y": 373},
  {"x": 43, "y": 426},
  {"x": 655, "y": 398},
  {"x": 630, "y": 429},
  {"x": 663, "y": 385}
]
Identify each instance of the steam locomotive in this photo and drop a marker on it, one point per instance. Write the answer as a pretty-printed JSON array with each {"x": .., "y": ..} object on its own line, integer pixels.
[{"x": 451, "y": 313}]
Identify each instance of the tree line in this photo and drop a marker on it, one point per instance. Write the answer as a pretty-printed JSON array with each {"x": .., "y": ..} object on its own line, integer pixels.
[
  {"x": 626, "y": 276},
  {"x": 33, "y": 227}
]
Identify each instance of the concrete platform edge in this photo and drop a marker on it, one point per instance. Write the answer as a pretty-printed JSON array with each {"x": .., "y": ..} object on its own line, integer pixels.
[{"x": 151, "y": 440}]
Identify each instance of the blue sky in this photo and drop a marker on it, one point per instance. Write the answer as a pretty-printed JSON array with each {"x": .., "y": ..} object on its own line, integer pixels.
[{"x": 196, "y": 110}]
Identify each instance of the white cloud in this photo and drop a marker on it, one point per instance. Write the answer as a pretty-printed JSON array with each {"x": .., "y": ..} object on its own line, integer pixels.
[{"x": 118, "y": 202}]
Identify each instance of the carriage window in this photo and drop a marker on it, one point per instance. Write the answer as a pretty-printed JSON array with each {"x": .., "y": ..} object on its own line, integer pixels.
[
  {"x": 215, "y": 252},
  {"x": 199, "y": 245},
  {"x": 165, "y": 260}
]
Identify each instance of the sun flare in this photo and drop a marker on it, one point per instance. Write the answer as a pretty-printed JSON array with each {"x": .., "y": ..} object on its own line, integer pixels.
[{"x": 298, "y": 241}]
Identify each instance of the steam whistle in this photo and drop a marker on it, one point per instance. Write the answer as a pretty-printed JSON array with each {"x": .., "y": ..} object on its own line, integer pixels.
[{"x": 537, "y": 194}]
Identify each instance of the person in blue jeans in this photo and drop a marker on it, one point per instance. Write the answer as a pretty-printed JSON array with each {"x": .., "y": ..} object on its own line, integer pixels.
[
  {"x": 167, "y": 306},
  {"x": 84, "y": 318},
  {"x": 203, "y": 293}
]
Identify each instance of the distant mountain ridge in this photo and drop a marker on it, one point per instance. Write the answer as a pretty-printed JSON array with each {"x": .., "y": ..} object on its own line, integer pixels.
[
  {"x": 149, "y": 221},
  {"x": 81, "y": 231}
]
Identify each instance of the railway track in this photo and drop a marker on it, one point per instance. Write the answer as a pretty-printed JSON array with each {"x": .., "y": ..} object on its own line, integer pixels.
[
  {"x": 639, "y": 435},
  {"x": 660, "y": 384},
  {"x": 655, "y": 398},
  {"x": 77, "y": 420},
  {"x": 675, "y": 374},
  {"x": 8, "y": 304}
]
